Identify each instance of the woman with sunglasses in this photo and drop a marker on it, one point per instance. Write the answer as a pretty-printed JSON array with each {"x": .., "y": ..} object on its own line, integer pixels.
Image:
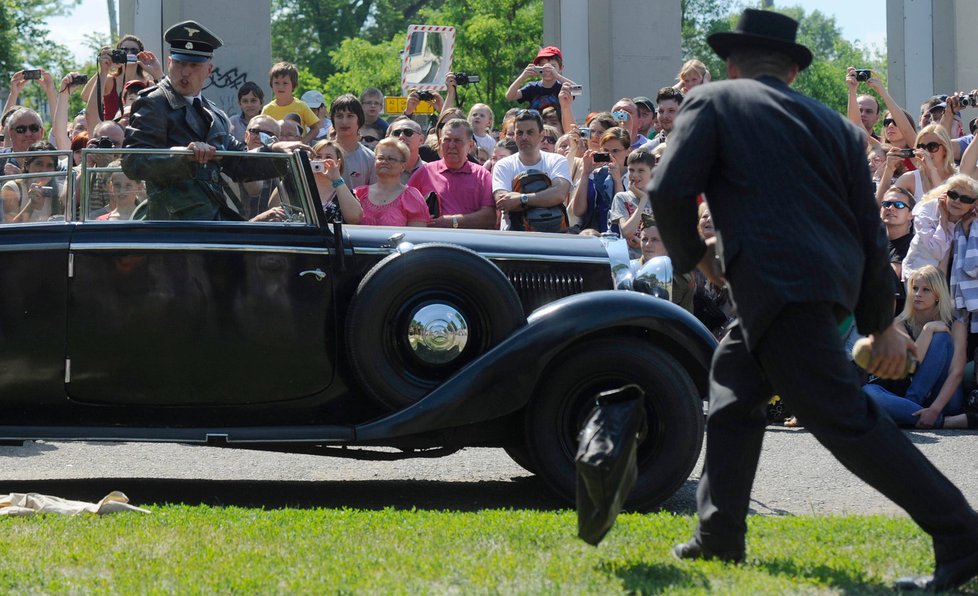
[
  {"x": 140, "y": 65},
  {"x": 934, "y": 218},
  {"x": 389, "y": 202},
  {"x": 934, "y": 391},
  {"x": 897, "y": 217},
  {"x": 933, "y": 158}
]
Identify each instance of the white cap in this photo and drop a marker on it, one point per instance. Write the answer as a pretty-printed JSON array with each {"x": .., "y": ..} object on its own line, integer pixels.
[{"x": 313, "y": 99}]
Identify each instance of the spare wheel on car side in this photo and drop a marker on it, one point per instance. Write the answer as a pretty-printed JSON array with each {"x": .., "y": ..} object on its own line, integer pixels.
[{"x": 417, "y": 317}]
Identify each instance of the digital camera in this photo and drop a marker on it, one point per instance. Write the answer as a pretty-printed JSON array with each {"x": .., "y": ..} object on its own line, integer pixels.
[
  {"x": 427, "y": 95},
  {"x": 79, "y": 79},
  {"x": 119, "y": 56},
  {"x": 318, "y": 166},
  {"x": 620, "y": 116},
  {"x": 585, "y": 132},
  {"x": 103, "y": 143},
  {"x": 32, "y": 74},
  {"x": 969, "y": 100},
  {"x": 576, "y": 90},
  {"x": 462, "y": 78},
  {"x": 863, "y": 74},
  {"x": 601, "y": 157}
]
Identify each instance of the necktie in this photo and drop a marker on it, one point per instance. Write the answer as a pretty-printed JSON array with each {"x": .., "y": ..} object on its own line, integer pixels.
[{"x": 202, "y": 112}]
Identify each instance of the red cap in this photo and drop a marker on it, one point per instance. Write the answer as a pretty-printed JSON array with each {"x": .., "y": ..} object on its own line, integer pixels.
[
  {"x": 134, "y": 87},
  {"x": 549, "y": 52}
]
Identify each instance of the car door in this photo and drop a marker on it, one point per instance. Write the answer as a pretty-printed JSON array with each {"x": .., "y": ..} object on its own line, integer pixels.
[{"x": 200, "y": 313}]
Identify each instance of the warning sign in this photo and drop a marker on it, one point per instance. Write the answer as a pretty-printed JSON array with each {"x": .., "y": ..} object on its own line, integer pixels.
[{"x": 397, "y": 105}]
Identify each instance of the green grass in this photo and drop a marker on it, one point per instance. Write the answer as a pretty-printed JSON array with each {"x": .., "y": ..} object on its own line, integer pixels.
[{"x": 201, "y": 549}]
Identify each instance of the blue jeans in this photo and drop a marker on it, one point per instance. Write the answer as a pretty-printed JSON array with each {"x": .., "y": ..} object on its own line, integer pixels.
[{"x": 924, "y": 387}]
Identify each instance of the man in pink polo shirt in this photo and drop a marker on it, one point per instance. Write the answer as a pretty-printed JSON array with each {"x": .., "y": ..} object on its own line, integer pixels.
[{"x": 464, "y": 189}]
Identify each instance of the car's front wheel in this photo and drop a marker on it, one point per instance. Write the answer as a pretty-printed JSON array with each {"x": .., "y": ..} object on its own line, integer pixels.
[{"x": 566, "y": 394}]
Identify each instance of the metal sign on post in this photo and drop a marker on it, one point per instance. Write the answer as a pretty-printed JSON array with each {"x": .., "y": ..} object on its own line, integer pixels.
[
  {"x": 397, "y": 105},
  {"x": 427, "y": 58}
]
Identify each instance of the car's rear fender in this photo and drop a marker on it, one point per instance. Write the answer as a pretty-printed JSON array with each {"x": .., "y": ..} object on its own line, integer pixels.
[{"x": 501, "y": 381}]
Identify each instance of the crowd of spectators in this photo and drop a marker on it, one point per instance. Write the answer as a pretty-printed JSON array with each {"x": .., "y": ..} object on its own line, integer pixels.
[{"x": 541, "y": 170}]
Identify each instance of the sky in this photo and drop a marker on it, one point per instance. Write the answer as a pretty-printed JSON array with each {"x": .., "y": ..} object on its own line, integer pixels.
[{"x": 863, "y": 20}]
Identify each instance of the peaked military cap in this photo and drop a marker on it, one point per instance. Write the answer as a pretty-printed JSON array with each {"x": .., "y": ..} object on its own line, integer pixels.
[{"x": 191, "y": 42}]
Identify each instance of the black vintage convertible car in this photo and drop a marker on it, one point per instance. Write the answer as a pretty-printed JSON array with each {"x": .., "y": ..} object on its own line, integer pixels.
[{"x": 305, "y": 336}]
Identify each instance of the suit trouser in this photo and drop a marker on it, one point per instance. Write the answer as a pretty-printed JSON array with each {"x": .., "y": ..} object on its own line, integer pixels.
[{"x": 801, "y": 358}]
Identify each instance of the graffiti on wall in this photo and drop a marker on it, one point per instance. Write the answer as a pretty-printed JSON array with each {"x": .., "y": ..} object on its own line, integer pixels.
[{"x": 223, "y": 86}]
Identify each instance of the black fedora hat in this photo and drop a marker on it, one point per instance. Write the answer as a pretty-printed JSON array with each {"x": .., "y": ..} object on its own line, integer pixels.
[{"x": 763, "y": 29}]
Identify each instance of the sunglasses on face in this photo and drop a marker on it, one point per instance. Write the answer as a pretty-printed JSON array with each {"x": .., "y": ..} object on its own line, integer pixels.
[
  {"x": 956, "y": 196},
  {"x": 931, "y": 147},
  {"x": 258, "y": 131},
  {"x": 369, "y": 139},
  {"x": 894, "y": 204},
  {"x": 405, "y": 132},
  {"x": 550, "y": 139},
  {"x": 888, "y": 121},
  {"x": 25, "y": 127}
]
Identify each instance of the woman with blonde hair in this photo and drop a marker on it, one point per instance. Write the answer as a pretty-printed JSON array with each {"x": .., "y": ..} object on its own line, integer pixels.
[
  {"x": 934, "y": 218},
  {"x": 934, "y": 390},
  {"x": 934, "y": 160}
]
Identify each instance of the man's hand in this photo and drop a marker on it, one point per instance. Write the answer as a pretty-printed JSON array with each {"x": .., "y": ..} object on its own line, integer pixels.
[
  {"x": 203, "y": 152},
  {"x": 47, "y": 81},
  {"x": 289, "y": 146},
  {"x": 851, "y": 81},
  {"x": 509, "y": 201},
  {"x": 889, "y": 353},
  {"x": 710, "y": 264}
]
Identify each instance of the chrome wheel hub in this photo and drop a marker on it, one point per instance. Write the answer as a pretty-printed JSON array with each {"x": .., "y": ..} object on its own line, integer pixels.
[{"x": 438, "y": 333}]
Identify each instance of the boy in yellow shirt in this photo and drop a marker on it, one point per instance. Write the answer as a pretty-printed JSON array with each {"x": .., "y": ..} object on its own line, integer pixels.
[{"x": 283, "y": 79}]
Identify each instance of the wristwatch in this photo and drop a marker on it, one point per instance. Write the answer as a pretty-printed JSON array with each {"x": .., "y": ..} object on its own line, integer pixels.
[
  {"x": 338, "y": 182},
  {"x": 524, "y": 200},
  {"x": 454, "y": 221}
]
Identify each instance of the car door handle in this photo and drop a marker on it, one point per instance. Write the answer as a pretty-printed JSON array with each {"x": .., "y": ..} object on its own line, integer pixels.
[{"x": 318, "y": 273}]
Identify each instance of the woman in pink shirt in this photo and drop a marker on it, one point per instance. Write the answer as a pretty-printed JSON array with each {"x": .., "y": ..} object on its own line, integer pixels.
[{"x": 388, "y": 202}]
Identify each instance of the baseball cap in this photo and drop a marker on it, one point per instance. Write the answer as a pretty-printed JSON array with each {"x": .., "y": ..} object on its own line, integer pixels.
[
  {"x": 549, "y": 52},
  {"x": 313, "y": 99},
  {"x": 645, "y": 102}
]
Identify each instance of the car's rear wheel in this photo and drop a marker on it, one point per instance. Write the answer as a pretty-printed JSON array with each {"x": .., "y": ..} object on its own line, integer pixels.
[
  {"x": 419, "y": 316},
  {"x": 566, "y": 395},
  {"x": 521, "y": 455}
]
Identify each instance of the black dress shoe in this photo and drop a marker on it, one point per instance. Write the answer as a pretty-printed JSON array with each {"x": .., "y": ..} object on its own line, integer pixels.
[
  {"x": 947, "y": 576},
  {"x": 694, "y": 550}
]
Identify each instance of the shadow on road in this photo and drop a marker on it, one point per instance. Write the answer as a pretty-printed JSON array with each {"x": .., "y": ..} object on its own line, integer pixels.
[{"x": 519, "y": 493}]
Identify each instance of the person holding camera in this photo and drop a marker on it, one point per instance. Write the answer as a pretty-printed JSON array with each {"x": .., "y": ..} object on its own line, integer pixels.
[
  {"x": 603, "y": 176},
  {"x": 23, "y": 129},
  {"x": 931, "y": 158},
  {"x": 21, "y": 78},
  {"x": 863, "y": 110},
  {"x": 548, "y": 66},
  {"x": 129, "y": 61},
  {"x": 34, "y": 199}
]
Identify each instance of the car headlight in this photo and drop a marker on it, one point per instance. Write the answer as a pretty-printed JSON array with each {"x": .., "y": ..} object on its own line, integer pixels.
[
  {"x": 655, "y": 278},
  {"x": 617, "y": 249}
]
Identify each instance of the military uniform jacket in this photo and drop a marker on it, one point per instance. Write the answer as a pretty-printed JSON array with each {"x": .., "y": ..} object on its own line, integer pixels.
[
  {"x": 178, "y": 187},
  {"x": 790, "y": 196}
]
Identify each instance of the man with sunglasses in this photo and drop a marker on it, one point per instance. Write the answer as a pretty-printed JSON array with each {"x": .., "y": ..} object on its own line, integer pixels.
[
  {"x": 463, "y": 189},
  {"x": 896, "y": 212},
  {"x": 409, "y": 131},
  {"x": 23, "y": 128},
  {"x": 795, "y": 279}
]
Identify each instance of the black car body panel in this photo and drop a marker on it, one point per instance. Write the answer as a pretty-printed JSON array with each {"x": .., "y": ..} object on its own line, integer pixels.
[{"x": 238, "y": 333}]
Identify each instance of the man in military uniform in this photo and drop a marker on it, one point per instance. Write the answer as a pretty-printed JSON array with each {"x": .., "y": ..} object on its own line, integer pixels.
[{"x": 173, "y": 114}]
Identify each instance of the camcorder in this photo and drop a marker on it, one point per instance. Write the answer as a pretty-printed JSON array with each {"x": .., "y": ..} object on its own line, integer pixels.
[
  {"x": 463, "y": 78},
  {"x": 863, "y": 74},
  {"x": 32, "y": 75}
]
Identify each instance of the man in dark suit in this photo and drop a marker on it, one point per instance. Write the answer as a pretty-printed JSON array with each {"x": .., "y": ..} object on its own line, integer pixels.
[
  {"x": 801, "y": 247},
  {"x": 175, "y": 114}
]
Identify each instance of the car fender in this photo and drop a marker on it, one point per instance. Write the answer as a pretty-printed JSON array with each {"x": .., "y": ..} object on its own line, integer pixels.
[{"x": 501, "y": 380}]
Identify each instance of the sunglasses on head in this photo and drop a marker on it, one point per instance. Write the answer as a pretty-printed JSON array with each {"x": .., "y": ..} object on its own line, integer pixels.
[
  {"x": 895, "y": 204},
  {"x": 406, "y": 132},
  {"x": 931, "y": 147},
  {"x": 888, "y": 121},
  {"x": 530, "y": 112},
  {"x": 369, "y": 139},
  {"x": 25, "y": 127},
  {"x": 956, "y": 196}
]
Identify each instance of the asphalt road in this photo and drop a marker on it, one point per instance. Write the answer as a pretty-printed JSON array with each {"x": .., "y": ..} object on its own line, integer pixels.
[{"x": 797, "y": 476}]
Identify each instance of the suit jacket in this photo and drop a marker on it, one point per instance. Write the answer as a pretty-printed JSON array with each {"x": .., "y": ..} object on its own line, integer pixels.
[
  {"x": 791, "y": 200},
  {"x": 179, "y": 188}
]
